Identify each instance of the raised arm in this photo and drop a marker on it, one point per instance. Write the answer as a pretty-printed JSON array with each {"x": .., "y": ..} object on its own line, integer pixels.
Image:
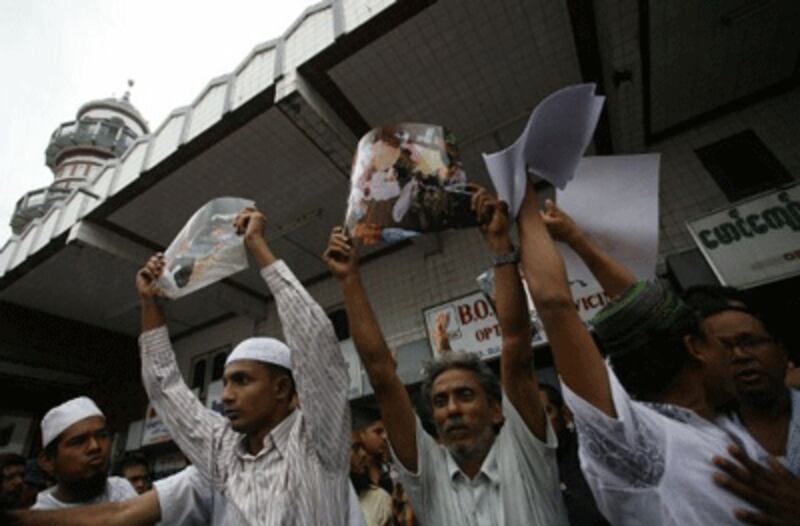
[
  {"x": 191, "y": 425},
  {"x": 318, "y": 367},
  {"x": 396, "y": 408},
  {"x": 613, "y": 276},
  {"x": 516, "y": 361},
  {"x": 577, "y": 358},
  {"x": 138, "y": 511}
]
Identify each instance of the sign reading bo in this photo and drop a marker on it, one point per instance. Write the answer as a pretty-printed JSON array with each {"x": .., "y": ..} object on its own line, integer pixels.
[{"x": 466, "y": 324}]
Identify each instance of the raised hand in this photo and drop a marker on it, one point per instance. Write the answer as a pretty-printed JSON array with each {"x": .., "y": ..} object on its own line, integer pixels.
[
  {"x": 251, "y": 223},
  {"x": 775, "y": 491},
  {"x": 340, "y": 256},
  {"x": 559, "y": 224},
  {"x": 493, "y": 218},
  {"x": 147, "y": 277}
]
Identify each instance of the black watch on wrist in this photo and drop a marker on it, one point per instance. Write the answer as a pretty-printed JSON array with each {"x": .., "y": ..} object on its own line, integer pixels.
[{"x": 511, "y": 258}]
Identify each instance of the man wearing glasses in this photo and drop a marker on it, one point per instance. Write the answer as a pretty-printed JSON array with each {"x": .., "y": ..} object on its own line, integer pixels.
[{"x": 767, "y": 409}]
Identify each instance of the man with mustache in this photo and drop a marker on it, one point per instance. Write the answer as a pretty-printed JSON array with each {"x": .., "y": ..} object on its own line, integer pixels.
[
  {"x": 495, "y": 463},
  {"x": 766, "y": 408},
  {"x": 76, "y": 452}
]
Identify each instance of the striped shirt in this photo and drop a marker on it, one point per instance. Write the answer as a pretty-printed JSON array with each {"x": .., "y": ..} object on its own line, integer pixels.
[{"x": 301, "y": 476}]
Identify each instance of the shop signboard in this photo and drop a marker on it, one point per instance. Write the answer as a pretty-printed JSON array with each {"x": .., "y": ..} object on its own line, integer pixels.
[
  {"x": 470, "y": 323},
  {"x": 350, "y": 354},
  {"x": 214, "y": 396},
  {"x": 752, "y": 242},
  {"x": 155, "y": 430}
]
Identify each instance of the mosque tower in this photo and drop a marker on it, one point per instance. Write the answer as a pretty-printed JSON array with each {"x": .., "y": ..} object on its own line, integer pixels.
[{"x": 103, "y": 129}]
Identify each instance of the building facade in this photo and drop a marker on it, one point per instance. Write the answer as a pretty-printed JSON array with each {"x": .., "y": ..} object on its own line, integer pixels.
[{"x": 281, "y": 129}]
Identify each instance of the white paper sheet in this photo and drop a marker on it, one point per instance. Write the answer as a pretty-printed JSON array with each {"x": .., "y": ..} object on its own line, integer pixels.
[
  {"x": 614, "y": 199},
  {"x": 551, "y": 145}
]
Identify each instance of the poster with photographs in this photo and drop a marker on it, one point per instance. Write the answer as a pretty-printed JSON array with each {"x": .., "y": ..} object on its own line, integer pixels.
[
  {"x": 206, "y": 250},
  {"x": 407, "y": 180}
]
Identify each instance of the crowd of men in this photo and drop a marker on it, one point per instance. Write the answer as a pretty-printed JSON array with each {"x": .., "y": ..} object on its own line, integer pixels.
[{"x": 675, "y": 411}]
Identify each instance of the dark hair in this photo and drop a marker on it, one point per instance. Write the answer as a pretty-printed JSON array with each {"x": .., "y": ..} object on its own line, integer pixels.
[
  {"x": 278, "y": 370},
  {"x": 10, "y": 459},
  {"x": 649, "y": 371},
  {"x": 460, "y": 360},
  {"x": 707, "y": 300},
  {"x": 132, "y": 459},
  {"x": 552, "y": 394}
]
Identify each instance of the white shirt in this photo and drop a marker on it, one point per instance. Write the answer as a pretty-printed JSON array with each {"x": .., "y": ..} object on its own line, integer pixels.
[
  {"x": 117, "y": 489},
  {"x": 187, "y": 498},
  {"x": 651, "y": 465},
  {"x": 301, "y": 476},
  {"x": 517, "y": 485},
  {"x": 791, "y": 456},
  {"x": 355, "y": 517},
  {"x": 376, "y": 504}
]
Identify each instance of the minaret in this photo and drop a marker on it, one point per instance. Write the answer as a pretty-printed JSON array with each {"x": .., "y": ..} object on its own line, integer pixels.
[{"x": 103, "y": 129}]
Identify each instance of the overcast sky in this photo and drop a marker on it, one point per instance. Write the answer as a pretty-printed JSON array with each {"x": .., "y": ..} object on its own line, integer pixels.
[{"x": 55, "y": 55}]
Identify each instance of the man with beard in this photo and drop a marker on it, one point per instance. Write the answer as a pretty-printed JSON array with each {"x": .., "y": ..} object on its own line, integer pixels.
[
  {"x": 12, "y": 483},
  {"x": 183, "y": 499},
  {"x": 77, "y": 450},
  {"x": 375, "y": 502},
  {"x": 495, "y": 463}
]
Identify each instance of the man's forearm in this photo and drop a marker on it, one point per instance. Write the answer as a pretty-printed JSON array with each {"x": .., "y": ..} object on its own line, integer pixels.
[
  {"x": 261, "y": 252},
  {"x": 576, "y": 356},
  {"x": 138, "y": 511},
  {"x": 396, "y": 408},
  {"x": 612, "y": 275},
  {"x": 516, "y": 361},
  {"x": 152, "y": 315},
  {"x": 365, "y": 331}
]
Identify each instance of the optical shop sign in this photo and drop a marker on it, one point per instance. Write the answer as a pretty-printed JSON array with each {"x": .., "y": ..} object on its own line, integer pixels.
[
  {"x": 470, "y": 324},
  {"x": 753, "y": 242}
]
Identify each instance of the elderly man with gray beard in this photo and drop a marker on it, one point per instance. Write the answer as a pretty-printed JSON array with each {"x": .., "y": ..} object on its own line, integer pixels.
[{"x": 495, "y": 463}]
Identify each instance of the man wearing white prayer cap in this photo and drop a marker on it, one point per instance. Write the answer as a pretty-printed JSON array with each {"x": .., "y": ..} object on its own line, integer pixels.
[
  {"x": 76, "y": 452},
  {"x": 277, "y": 462}
]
